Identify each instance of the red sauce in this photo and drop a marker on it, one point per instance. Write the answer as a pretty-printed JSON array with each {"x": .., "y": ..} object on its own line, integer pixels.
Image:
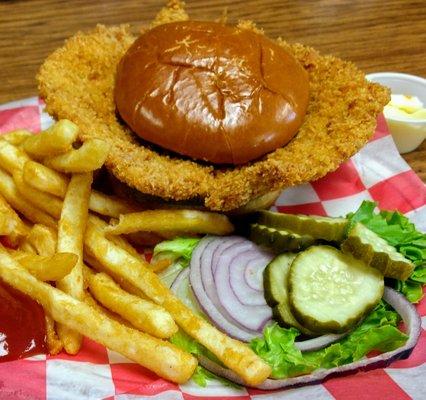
[
  {"x": 5, "y": 241},
  {"x": 22, "y": 325}
]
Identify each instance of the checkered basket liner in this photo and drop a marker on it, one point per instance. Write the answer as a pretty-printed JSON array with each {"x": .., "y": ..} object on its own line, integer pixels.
[{"x": 376, "y": 173}]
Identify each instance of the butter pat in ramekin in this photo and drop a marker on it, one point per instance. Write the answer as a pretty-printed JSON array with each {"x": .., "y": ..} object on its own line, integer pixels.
[{"x": 406, "y": 113}]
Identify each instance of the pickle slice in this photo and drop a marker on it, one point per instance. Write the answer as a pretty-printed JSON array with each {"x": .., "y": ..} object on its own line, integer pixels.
[
  {"x": 275, "y": 279},
  {"x": 282, "y": 314},
  {"x": 330, "y": 291},
  {"x": 366, "y": 245},
  {"x": 326, "y": 228},
  {"x": 279, "y": 240}
]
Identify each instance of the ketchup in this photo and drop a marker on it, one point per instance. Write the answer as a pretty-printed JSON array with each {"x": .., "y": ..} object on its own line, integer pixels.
[{"x": 22, "y": 325}]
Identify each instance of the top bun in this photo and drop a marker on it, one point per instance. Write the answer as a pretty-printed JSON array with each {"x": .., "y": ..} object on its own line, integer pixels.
[{"x": 211, "y": 92}]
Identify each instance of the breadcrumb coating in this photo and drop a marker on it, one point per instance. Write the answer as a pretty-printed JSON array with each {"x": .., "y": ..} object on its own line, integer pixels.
[{"x": 77, "y": 83}]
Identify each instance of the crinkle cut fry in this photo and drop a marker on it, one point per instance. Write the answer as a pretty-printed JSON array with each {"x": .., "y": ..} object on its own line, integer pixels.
[{"x": 341, "y": 118}]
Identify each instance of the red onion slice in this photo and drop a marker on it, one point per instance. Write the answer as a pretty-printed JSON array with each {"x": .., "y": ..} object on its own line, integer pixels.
[
  {"x": 401, "y": 305},
  {"x": 169, "y": 274},
  {"x": 254, "y": 276},
  {"x": 182, "y": 289},
  {"x": 252, "y": 265},
  {"x": 176, "y": 284},
  {"x": 319, "y": 342},
  {"x": 206, "y": 304},
  {"x": 208, "y": 264},
  {"x": 253, "y": 317}
]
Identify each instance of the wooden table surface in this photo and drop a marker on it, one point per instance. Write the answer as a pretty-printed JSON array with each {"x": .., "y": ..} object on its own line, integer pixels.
[{"x": 375, "y": 35}]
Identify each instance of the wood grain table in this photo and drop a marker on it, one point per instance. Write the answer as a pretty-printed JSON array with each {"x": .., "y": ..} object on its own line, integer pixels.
[{"x": 375, "y": 35}]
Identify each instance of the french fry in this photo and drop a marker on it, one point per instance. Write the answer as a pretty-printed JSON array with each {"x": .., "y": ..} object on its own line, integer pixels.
[
  {"x": 89, "y": 300},
  {"x": 118, "y": 240},
  {"x": 70, "y": 239},
  {"x": 44, "y": 201},
  {"x": 158, "y": 355},
  {"x": 43, "y": 239},
  {"x": 45, "y": 179},
  {"x": 160, "y": 265},
  {"x": 12, "y": 158},
  {"x": 110, "y": 206},
  {"x": 54, "y": 344},
  {"x": 235, "y": 355},
  {"x": 27, "y": 247},
  {"x": 89, "y": 157},
  {"x": 50, "y": 181},
  {"x": 10, "y": 223},
  {"x": 142, "y": 314},
  {"x": 57, "y": 139},
  {"x": 87, "y": 270},
  {"x": 95, "y": 264},
  {"x": 172, "y": 220},
  {"x": 91, "y": 263},
  {"x": 10, "y": 192},
  {"x": 51, "y": 268},
  {"x": 16, "y": 137}
]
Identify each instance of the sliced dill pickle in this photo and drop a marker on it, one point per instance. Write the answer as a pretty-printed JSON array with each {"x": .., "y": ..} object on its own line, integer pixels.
[
  {"x": 275, "y": 279},
  {"x": 279, "y": 240},
  {"x": 366, "y": 245},
  {"x": 330, "y": 291},
  {"x": 326, "y": 228},
  {"x": 282, "y": 314}
]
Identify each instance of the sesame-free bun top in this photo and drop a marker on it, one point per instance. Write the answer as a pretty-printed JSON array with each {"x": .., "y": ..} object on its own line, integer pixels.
[{"x": 211, "y": 92}]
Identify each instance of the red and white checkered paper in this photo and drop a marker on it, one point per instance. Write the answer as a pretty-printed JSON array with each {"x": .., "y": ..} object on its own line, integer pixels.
[{"x": 376, "y": 173}]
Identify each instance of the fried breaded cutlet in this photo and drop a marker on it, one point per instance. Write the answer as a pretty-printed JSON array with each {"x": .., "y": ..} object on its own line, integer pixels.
[{"x": 77, "y": 82}]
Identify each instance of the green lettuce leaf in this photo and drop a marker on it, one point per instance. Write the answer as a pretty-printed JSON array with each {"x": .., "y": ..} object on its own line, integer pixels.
[
  {"x": 412, "y": 290},
  {"x": 178, "y": 250},
  {"x": 377, "y": 332},
  {"x": 187, "y": 343},
  {"x": 278, "y": 350},
  {"x": 201, "y": 376},
  {"x": 399, "y": 232},
  {"x": 419, "y": 274}
]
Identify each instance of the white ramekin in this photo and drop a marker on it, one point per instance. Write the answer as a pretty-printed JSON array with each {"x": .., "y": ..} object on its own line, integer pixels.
[{"x": 408, "y": 134}]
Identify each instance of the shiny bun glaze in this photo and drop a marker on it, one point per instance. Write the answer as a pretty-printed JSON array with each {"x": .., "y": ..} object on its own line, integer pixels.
[{"x": 211, "y": 92}]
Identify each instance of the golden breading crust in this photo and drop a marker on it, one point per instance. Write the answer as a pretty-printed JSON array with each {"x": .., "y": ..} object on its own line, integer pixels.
[{"x": 77, "y": 83}]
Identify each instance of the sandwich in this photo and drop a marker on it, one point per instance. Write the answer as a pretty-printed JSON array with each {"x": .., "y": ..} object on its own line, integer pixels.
[{"x": 206, "y": 115}]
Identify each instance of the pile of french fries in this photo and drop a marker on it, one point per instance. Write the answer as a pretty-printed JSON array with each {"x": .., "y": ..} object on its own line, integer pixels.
[{"x": 68, "y": 250}]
